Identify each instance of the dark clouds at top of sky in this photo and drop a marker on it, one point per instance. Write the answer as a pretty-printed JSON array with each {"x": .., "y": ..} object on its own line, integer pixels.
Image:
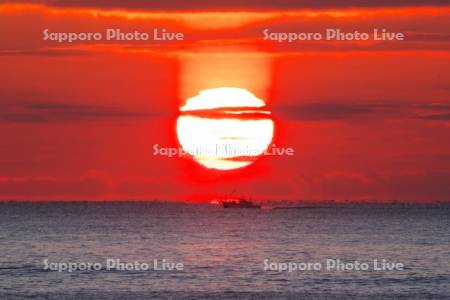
[{"x": 242, "y": 5}]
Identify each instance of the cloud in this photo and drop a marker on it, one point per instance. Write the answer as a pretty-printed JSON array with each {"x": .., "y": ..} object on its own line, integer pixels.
[
  {"x": 45, "y": 52},
  {"x": 347, "y": 111},
  {"x": 401, "y": 186},
  {"x": 213, "y": 29},
  {"x": 329, "y": 111},
  {"x": 436, "y": 117},
  {"x": 179, "y": 5},
  {"x": 37, "y": 112},
  {"x": 31, "y": 112}
]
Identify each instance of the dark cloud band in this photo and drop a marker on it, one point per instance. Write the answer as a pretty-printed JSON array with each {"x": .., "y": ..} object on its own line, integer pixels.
[{"x": 242, "y": 5}]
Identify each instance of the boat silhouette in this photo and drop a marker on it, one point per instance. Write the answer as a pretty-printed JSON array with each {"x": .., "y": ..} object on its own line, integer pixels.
[{"x": 239, "y": 203}]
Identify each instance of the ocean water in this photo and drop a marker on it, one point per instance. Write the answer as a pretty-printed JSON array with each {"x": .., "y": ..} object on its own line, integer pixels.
[{"x": 222, "y": 251}]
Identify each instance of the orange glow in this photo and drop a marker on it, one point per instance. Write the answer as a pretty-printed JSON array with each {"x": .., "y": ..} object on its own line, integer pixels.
[
  {"x": 207, "y": 70},
  {"x": 223, "y": 19}
]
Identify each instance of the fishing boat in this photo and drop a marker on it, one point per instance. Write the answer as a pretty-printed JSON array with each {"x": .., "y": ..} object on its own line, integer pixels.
[{"x": 239, "y": 203}]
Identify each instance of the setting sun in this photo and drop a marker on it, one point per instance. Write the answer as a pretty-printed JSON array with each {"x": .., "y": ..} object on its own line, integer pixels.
[
  {"x": 222, "y": 97},
  {"x": 222, "y": 139}
]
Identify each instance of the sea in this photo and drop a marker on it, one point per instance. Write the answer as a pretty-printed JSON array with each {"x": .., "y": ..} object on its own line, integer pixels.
[{"x": 158, "y": 250}]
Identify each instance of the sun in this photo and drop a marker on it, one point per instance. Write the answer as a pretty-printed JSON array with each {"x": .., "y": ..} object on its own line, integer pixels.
[{"x": 224, "y": 128}]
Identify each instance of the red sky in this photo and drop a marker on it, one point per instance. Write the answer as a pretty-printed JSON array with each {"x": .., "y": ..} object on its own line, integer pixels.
[{"x": 367, "y": 120}]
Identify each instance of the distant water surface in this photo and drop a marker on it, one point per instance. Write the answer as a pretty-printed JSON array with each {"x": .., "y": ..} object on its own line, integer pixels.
[{"x": 222, "y": 250}]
